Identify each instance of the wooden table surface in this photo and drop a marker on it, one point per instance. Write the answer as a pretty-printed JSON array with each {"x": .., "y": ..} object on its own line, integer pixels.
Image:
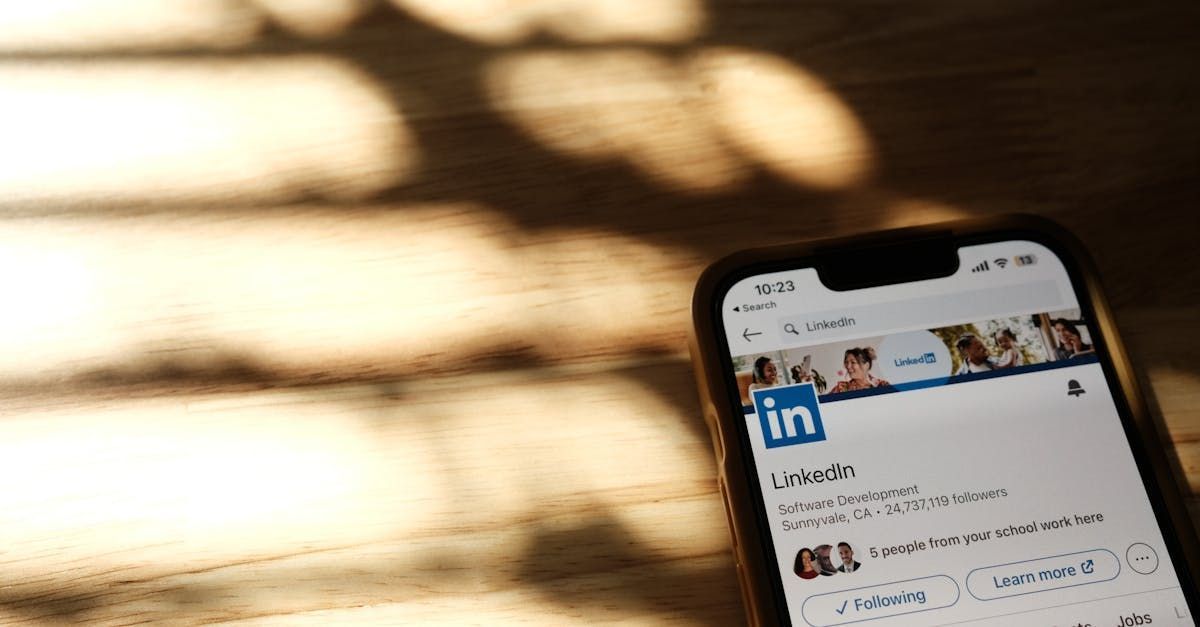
[{"x": 331, "y": 311}]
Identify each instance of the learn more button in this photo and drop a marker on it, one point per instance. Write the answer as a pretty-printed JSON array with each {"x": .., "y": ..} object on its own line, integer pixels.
[
  {"x": 882, "y": 601},
  {"x": 1042, "y": 574}
]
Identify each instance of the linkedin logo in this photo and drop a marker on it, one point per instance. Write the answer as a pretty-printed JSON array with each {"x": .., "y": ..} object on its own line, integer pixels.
[{"x": 789, "y": 415}]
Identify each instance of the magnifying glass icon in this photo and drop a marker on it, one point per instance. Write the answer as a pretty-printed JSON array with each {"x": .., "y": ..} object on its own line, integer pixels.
[{"x": 791, "y": 328}]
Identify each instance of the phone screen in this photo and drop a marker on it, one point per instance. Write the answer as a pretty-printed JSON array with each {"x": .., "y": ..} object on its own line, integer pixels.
[{"x": 944, "y": 451}]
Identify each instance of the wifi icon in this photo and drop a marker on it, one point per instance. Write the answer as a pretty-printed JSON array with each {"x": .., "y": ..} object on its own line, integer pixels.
[{"x": 1001, "y": 262}]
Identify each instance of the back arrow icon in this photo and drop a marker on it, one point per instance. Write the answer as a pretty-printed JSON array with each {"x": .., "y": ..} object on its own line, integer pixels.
[{"x": 747, "y": 334}]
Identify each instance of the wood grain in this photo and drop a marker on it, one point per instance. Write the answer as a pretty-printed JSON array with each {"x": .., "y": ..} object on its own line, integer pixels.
[{"x": 358, "y": 314}]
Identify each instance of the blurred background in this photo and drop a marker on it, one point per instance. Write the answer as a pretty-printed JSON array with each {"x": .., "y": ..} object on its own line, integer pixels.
[{"x": 375, "y": 310}]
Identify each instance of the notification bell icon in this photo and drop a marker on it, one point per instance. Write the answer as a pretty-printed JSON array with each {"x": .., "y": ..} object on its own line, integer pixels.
[{"x": 1074, "y": 388}]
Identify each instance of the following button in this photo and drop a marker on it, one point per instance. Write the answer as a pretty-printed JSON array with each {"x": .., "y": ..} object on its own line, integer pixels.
[
  {"x": 1042, "y": 574},
  {"x": 882, "y": 601}
]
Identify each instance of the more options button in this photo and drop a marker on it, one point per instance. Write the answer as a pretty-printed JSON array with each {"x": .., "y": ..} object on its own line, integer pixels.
[
  {"x": 889, "y": 599},
  {"x": 1042, "y": 574}
]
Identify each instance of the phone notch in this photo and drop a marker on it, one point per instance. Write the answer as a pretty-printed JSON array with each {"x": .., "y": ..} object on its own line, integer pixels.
[{"x": 888, "y": 262}]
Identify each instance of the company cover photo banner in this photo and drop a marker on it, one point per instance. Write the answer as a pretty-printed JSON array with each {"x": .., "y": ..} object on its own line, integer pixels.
[{"x": 922, "y": 358}]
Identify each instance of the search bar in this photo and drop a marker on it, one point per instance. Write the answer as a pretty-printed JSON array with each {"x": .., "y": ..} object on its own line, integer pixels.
[{"x": 927, "y": 312}]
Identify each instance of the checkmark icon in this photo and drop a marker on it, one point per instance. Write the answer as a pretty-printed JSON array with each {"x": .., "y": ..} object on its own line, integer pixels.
[{"x": 842, "y": 609}]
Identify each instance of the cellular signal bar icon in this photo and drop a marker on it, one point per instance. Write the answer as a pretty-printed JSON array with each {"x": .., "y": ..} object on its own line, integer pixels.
[{"x": 982, "y": 267}]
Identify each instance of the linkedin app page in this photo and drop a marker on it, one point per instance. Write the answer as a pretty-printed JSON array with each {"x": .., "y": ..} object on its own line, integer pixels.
[{"x": 945, "y": 451}]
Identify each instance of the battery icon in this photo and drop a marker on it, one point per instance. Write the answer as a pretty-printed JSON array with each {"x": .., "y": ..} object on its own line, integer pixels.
[{"x": 1025, "y": 260}]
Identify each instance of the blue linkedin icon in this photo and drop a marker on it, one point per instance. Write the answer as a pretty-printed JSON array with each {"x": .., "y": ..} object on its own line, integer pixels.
[{"x": 789, "y": 415}]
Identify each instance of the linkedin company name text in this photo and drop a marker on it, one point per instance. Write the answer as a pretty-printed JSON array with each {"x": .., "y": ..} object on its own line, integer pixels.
[{"x": 835, "y": 472}]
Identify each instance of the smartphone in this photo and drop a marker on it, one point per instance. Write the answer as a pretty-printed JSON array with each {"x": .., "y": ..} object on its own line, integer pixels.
[{"x": 970, "y": 446}]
